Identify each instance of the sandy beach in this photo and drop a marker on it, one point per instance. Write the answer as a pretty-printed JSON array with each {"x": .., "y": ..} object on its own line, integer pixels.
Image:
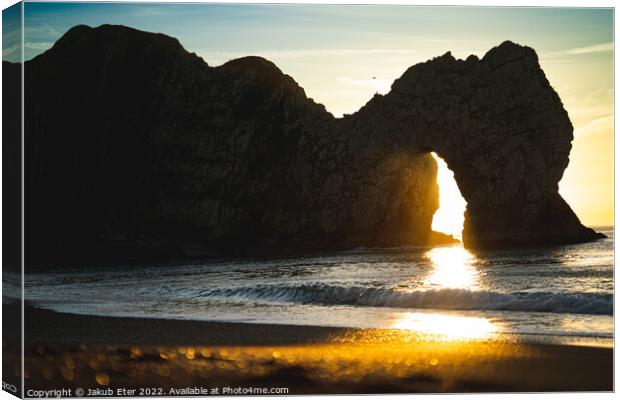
[{"x": 181, "y": 357}]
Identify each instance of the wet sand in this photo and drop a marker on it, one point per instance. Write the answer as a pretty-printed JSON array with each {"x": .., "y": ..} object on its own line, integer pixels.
[{"x": 185, "y": 357}]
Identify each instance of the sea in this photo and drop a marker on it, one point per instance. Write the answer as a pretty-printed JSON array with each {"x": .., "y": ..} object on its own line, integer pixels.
[{"x": 560, "y": 294}]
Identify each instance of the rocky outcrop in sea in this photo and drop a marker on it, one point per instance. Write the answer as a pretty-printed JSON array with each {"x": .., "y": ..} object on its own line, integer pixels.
[{"x": 135, "y": 147}]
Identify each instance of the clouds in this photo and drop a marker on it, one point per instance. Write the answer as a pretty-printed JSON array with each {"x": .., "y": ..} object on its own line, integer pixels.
[
  {"x": 600, "y": 125},
  {"x": 306, "y": 55},
  {"x": 381, "y": 86},
  {"x": 11, "y": 33},
  {"x": 7, "y": 52},
  {"x": 597, "y": 48},
  {"x": 38, "y": 45}
]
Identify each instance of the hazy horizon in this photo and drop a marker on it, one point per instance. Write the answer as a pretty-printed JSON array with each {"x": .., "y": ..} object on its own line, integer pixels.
[{"x": 343, "y": 55}]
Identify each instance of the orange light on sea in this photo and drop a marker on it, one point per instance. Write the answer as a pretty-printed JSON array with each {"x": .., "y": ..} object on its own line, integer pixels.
[
  {"x": 452, "y": 268},
  {"x": 447, "y": 327}
]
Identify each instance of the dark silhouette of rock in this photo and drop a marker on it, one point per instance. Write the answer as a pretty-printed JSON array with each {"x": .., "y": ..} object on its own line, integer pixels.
[{"x": 135, "y": 146}]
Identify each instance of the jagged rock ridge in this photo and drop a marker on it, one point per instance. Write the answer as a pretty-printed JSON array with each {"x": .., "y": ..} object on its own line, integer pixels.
[{"x": 133, "y": 143}]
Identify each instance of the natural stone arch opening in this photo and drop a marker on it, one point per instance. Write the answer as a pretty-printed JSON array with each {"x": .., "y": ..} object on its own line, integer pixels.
[
  {"x": 450, "y": 216},
  {"x": 502, "y": 130},
  {"x": 237, "y": 159}
]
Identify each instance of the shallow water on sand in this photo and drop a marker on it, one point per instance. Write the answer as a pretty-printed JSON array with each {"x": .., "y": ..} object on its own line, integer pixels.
[{"x": 564, "y": 293}]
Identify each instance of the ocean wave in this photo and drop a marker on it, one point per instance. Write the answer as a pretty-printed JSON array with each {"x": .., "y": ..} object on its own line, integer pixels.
[{"x": 451, "y": 299}]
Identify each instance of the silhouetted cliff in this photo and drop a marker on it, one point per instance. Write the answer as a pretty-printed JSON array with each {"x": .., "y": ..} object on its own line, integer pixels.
[{"x": 135, "y": 146}]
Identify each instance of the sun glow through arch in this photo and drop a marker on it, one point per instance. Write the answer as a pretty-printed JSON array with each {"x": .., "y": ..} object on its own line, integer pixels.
[{"x": 449, "y": 217}]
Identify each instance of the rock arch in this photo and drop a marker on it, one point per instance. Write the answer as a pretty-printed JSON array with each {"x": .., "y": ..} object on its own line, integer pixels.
[
  {"x": 135, "y": 146},
  {"x": 502, "y": 130}
]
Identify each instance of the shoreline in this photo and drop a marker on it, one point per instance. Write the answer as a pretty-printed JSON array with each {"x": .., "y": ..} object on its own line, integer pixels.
[
  {"x": 93, "y": 327},
  {"x": 109, "y": 352},
  {"x": 50, "y": 326}
]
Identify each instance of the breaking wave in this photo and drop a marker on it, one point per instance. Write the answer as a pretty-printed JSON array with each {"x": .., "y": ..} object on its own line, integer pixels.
[{"x": 451, "y": 299}]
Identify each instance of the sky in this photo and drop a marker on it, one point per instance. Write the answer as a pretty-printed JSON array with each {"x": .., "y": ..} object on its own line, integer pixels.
[{"x": 334, "y": 52}]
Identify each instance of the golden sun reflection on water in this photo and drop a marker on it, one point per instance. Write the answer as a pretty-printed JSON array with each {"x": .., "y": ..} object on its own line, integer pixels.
[
  {"x": 452, "y": 268},
  {"x": 447, "y": 327}
]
